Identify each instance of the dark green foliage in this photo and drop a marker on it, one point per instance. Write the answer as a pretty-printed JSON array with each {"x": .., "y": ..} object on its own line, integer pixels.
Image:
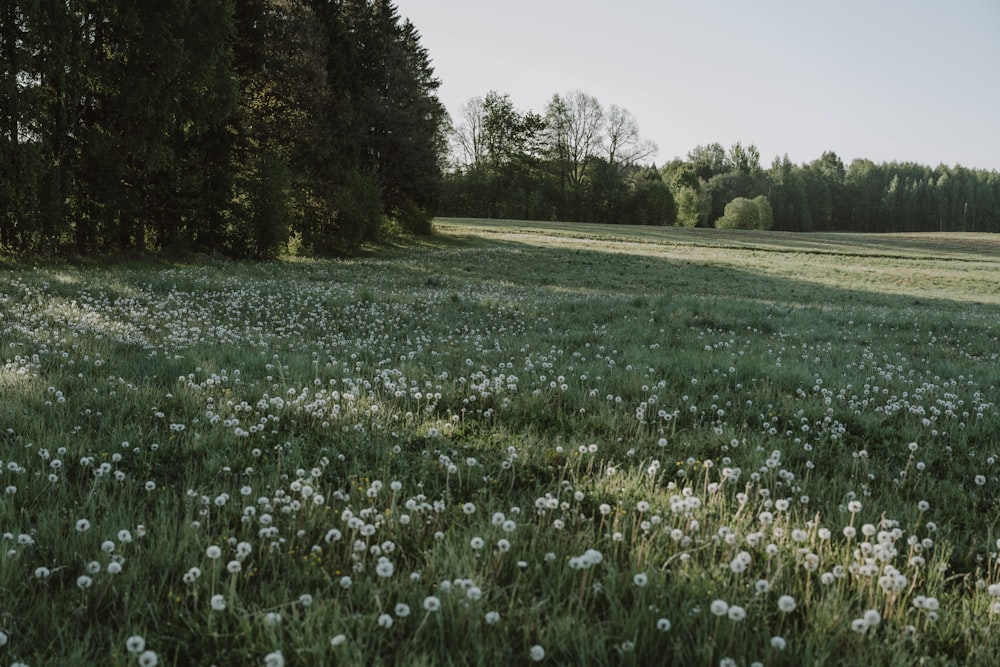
[
  {"x": 576, "y": 162},
  {"x": 269, "y": 207},
  {"x": 359, "y": 207},
  {"x": 652, "y": 203},
  {"x": 741, "y": 213},
  {"x": 569, "y": 169},
  {"x": 212, "y": 125},
  {"x": 765, "y": 214}
]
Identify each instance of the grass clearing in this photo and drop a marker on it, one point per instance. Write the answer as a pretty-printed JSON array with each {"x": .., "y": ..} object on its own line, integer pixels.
[{"x": 508, "y": 442}]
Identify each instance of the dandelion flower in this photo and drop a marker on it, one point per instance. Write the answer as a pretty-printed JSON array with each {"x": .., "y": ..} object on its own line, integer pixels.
[
  {"x": 384, "y": 568},
  {"x": 736, "y": 613},
  {"x": 148, "y": 659},
  {"x": 778, "y": 643},
  {"x": 213, "y": 552},
  {"x": 786, "y": 603},
  {"x": 537, "y": 653},
  {"x": 218, "y": 602},
  {"x": 492, "y": 617},
  {"x": 663, "y": 624},
  {"x": 82, "y": 526},
  {"x": 385, "y": 621},
  {"x": 719, "y": 607},
  {"x": 402, "y": 610},
  {"x": 640, "y": 579},
  {"x": 432, "y": 603},
  {"x": 337, "y": 640},
  {"x": 872, "y": 618},
  {"x": 135, "y": 644},
  {"x": 84, "y": 581},
  {"x": 274, "y": 659}
]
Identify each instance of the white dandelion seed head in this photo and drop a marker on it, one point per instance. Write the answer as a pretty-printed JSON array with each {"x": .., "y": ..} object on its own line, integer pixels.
[
  {"x": 786, "y": 603},
  {"x": 135, "y": 644},
  {"x": 719, "y": 607}
]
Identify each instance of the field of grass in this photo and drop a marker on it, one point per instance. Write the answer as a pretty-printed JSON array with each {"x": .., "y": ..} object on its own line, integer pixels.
[{"x": 508, "y": 443}]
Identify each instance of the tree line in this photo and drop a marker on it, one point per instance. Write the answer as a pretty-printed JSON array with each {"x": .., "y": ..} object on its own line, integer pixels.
[
  {"x": 577, "y": 161},
  {"x": 214, "y": 125},
  {"x": 581, "y": 161}
]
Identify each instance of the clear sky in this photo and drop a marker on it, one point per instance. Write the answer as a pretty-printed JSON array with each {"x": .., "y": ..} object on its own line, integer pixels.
[{"x": 906, "y": 80}]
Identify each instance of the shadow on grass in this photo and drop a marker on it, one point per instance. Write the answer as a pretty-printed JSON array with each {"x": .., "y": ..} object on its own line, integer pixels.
[{"x": 588, "y": 271}]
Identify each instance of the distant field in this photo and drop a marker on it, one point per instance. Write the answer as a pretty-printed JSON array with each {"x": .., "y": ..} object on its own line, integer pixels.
[
  {"x": 954, "y": 266},
  {"x": 505, "y": 443}
]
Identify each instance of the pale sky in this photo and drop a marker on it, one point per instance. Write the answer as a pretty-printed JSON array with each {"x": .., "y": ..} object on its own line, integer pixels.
[{"x": 906, "y": 80}]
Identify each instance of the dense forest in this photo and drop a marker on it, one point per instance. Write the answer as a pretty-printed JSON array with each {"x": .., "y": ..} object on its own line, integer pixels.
[
  {"x": 581, "y": 161},
  {"x": 213, "y": 126},
  {"x": 256, "y": 127}
]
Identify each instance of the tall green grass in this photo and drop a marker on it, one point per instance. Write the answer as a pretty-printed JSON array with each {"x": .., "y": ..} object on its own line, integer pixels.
[{"x": 511, "y": 441}]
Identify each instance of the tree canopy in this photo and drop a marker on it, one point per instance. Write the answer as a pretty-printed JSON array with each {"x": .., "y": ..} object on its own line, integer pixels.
[
  {"x": 585, "y": 162},
  {"x": 251, "y": 126},
  {"x": 579, "y": 160},
  {"x": 207, "y": 125}
]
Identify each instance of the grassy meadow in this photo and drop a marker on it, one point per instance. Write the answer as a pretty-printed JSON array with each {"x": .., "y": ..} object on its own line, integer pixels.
[{"x": 508, "y": 443}]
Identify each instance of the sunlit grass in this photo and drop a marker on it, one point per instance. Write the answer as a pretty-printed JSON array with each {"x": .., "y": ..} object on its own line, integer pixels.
[{"x": 579, "y": 444}]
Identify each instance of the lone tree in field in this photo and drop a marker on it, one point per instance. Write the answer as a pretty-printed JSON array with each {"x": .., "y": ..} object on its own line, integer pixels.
[{"x": 743, "y": 213}]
